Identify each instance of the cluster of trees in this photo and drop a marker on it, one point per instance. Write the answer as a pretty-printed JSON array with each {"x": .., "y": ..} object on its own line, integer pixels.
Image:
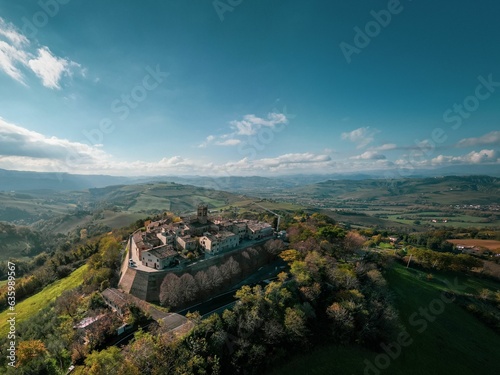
[
  {"x": 33, "y": 241},
  {"x": 324, "y": 298},
  {"x": 436, "y": 239},
  {"x": 178, "y": 291},
  {"x": 484, "y": 306},
  {"x": 103, "y": 258},
  {"x": 442, "y": 261},
  {"x": 48, "y": 341},
  {"x": 45, "y": 269},
  {"x": 104, "y": 265}
]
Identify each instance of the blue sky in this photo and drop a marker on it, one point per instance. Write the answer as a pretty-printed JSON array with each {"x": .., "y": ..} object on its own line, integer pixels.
[{"x": 240, "y": 87}]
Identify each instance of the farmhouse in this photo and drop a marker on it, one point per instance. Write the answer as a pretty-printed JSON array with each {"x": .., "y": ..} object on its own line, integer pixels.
[{"x": 118, "y": 301}]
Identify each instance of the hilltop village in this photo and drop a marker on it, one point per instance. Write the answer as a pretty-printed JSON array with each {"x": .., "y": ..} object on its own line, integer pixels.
[{"x": 169, "y": 242}]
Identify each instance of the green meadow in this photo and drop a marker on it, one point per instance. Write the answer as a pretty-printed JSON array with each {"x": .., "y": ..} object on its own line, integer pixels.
[{"x": 35, "y": 303}]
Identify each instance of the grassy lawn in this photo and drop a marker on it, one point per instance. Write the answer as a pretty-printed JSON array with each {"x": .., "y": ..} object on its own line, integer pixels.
[
  {"x": 33, "y": 304},
  {"x": 454, "y": 342},
  {"x": 384, "y": 245}
]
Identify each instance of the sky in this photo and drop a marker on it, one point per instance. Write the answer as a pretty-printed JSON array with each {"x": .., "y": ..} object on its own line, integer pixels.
[{"x": 240, "y": 87}]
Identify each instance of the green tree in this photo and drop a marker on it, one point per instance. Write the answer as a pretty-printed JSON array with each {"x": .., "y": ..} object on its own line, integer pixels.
[{"x": 107, "y": 362}]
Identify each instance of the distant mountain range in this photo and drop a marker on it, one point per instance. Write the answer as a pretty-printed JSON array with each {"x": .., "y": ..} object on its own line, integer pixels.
[
  {"x": 21, "y": 180},
  {"x": 11, "y": 180}
]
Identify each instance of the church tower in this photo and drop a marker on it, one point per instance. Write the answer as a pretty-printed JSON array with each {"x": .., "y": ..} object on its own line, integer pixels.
[{"x": 202, "y": 213}]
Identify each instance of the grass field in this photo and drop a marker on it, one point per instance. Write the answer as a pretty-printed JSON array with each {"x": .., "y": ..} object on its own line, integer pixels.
[
  {"x": 488, "y": 244},
  {"x": 455, "y": 342},
  {"x": 33, "y": 304}
]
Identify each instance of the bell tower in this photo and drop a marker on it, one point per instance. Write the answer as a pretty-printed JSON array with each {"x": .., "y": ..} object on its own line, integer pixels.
[{"x": 202, "y": 214}]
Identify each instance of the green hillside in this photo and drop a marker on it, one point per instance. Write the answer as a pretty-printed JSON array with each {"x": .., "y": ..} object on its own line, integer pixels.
[
  {"x": 35, "y": 303},
  {"x": 454, "y": 343}
]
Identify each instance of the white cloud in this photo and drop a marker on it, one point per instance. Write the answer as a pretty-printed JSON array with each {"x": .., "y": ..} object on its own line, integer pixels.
[
  {"x": 361, "y": 136},
  {"x": 473, "y": 157},
  {"x": 207, "y": 141},
  {"x": 229, "y": 142},
  {"x": 50, "y": 68},
  {"x": 251, "y": 124},
  {"x": 24, "y": 149},
  {"x": 17, "y": 56},
  {"x": 18, "y": 142},
  {"x": 492, "y": 138},
  {"x": 369, "y": 155},
  {"x": 8, "y": 31},
  {"x": 10, "y": 58},
  {"x": 385, "y": 147}
]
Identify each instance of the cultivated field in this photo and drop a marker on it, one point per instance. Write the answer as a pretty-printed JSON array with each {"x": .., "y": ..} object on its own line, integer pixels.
[{"x": 487, "y": 244}]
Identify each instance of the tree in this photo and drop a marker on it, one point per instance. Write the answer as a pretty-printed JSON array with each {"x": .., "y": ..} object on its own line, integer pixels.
[
  {"x": 274, "y": 247},
  {"x": 139, "y": 355},
  {"x": 189, "y": 288},
  {"x": 290, "y": 256},
  {"x": 107, "y": 362},
  {"x": 214, "y": 278},
  {"x": 343, "y": 321},
  {"x": 234, "y": 267},
  {"x": 330, "y": 233},
  {"x": 171, "y": 293},
  {"x": 352, "y": 242},
  {"x": 301, "y": 273},
  {"x": 30, "y": 350},
  {"x": 225, "y": 272},
  {"x": 100, "y": 329},
  {"x": 68, "y": 302},
  {"x": 202, "y": 283},
  {"x": 295, "y": 324}
]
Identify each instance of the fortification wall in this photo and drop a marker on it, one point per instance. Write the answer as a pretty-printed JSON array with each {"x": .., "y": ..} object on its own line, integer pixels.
[{"x": 146, "y": 285}]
